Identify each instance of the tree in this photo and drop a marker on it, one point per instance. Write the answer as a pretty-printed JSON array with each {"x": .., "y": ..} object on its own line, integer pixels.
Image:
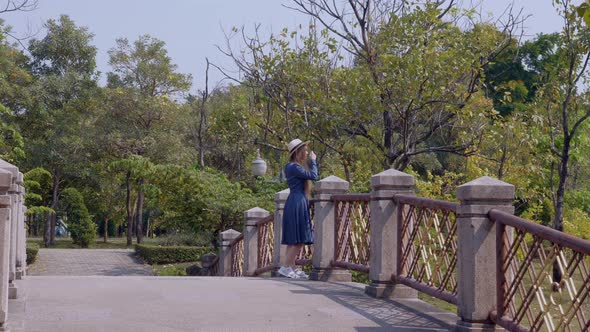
[
  {"x": 145, "y": 82},
  {"x": 14, "y": 82},
  {"x": 37, "y": 184},
  {"x": 564, "y": 101},
  {"x": 64, "y": 65},
  {"x": 136, "y": 168},
  {"x": 80, "y": 225},
  {"x": 421, "y": 85}
]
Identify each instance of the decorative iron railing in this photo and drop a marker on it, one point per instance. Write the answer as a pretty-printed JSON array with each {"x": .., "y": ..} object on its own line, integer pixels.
[
  {"x": 427, "y": 246},
  {"x": 214, "y": 269},
  {"x": 352, "y": 230},
  {"x": 237, "y": 256},
  {"x": 543, "y": 277},
  {"x": 265, "y": 244}
]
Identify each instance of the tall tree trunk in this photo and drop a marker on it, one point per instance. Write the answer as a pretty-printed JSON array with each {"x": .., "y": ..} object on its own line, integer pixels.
[
  {"x": 54, "y": 204},
  {"x": 139, "y": 211},
  {"x": 129, "y": 212},
  {"x": 387, "y": 135},
  {"x": 147, "y": 228},
  {"x": 47, "y": 230},
  {"x": 562, "y": 168},
  {"x": 106, "y": 230},
  {"x": 203, "y": 118}
]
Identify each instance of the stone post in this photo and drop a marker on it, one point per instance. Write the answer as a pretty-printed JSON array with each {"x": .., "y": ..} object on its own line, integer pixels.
[
  {"x": 225, "y": 262},
  {"x": 13, "y": 192},
  {"x": 251, "y": 217},
  {"x": 20, "y": 229},
  {"x": 324, "y": 230},
  {"x": 279, "y": 250},
  {"x": 24, "y": 240},
  {"x": 5, "y": 183},
  {"x": 384, "y": 234},
  {"x": 477, "y": 250}
]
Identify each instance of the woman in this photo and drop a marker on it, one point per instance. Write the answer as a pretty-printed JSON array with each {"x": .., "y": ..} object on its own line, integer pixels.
[{"x": 296, "y": 217}]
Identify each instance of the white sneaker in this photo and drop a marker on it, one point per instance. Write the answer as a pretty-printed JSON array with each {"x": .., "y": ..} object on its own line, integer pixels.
[
  {"x": 300, "y": 274},
  {"x": 286, "y": 271}
]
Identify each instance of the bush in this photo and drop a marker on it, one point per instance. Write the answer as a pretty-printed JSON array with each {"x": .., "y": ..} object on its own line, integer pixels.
[
  {"x": 32, "y": 250},
  {"x": 165, "y": 255},
  {"x": 189, "y": 239},
  {"x": 81, "y": 226}
]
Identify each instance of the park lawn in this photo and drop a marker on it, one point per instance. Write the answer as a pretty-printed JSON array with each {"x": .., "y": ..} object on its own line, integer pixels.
[
  {"x": 112, "y": 243},
  {"x": 173, "y": 269}
]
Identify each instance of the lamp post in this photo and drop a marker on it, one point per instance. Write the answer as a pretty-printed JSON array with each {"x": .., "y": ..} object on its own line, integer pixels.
[{"x": 258, "y": 165}]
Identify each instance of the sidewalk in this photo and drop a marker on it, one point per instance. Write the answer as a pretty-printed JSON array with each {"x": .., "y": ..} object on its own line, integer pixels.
[{"x": 88, "y": 262}]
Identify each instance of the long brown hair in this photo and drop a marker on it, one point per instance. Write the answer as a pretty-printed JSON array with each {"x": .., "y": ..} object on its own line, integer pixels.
[{"x": 297, "y": 157}]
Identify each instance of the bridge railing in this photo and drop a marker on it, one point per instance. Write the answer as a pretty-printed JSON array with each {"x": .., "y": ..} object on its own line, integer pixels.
[
  {"x": 427, "y": 239},
  {"x": 352, "y": 232},
  {"x": 265, "y": 228},
  {"x": 497, "y": 269},
  {"x": 543, "y": 277}
]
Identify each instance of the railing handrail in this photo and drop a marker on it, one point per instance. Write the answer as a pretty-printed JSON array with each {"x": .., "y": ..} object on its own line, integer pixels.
[
  {"x": 236, "y": 240},
  {"x": 544, "y": 232},
  {"x": 268, "y": 219},
  {"x": 354, "y": 197},
  {"x": 426, "y": 202}
]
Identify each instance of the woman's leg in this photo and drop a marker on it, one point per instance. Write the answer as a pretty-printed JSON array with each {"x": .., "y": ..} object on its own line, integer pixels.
[{"x": 292, "y": 252}]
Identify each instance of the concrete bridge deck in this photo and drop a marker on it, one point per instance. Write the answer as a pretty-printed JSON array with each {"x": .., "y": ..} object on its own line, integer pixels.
[
  {"x": 111, "y": 290},
  {"x": 139, "y": 303}
]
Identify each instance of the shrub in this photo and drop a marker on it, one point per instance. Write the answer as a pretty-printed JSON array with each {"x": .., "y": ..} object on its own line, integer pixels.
[
  {"x": 32, "y": 250},
  {"x": 165, "y": 255},
  {"x": 81, "y": 226},
  {"x": 190, "y": 239}
]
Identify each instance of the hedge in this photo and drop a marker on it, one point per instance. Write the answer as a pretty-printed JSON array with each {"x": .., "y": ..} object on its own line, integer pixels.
[
  {"x": 32, "y": 250},
  {"x": 173, "y": 254}
]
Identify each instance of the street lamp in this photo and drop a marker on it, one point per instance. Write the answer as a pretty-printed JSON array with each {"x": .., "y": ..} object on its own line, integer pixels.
[{"x": 258, "y": 165}]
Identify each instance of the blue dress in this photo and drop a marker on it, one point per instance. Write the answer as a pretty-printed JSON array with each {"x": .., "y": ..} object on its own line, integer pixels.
[{"x": 296, "y": 217}]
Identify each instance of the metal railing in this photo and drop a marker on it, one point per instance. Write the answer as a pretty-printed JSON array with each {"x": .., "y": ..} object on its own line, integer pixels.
[
  {"x": 352, "y": 231},
  {"x": 266, "y": 240},
  {"x": 237, "y": 256},
  {"x": 427, "y": 246},
  {"x": 543, "y": 277}
]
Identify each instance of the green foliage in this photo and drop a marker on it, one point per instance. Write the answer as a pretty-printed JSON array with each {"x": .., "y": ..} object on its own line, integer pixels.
[
  {"x": 32, "y": 250},
  {"x": 583, "y": 11},
  {"x": 37, "y": 186},
  {"x": 14, "y": 80},
  {"x": 577, "y": 223},
  {"x": 189, "y": 239},
  {"x": 172, "y": 270},
  {"x": 80, "y": 225},
  {"x": 164, "y": 255},
  {"x": 200, "y": 201},
  {"x": 420, "y": 93}
]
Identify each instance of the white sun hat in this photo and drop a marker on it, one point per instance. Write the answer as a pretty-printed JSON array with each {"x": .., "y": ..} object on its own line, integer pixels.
[{"x": 295, "y": 144}]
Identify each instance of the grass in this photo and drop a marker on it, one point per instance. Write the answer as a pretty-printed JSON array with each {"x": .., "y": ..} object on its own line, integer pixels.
[
  {"x": 443, "y": 305},
  {"x": 112, "y": 243},
  {"x": 175, "y": 269}
]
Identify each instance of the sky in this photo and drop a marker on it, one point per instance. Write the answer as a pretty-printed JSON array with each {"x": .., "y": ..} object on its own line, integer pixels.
[{"x": 192, "y": 29}]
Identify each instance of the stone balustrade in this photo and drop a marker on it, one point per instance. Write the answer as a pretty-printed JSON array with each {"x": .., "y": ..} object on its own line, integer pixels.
[{"x": 13, "y": 259}]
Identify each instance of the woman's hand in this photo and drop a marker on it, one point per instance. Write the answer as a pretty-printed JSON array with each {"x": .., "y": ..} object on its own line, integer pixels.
[{"x": 312, "y": 155}]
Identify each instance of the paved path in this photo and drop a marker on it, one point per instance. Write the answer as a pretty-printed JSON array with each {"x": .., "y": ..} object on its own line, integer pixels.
[
  {"x": 88, "y": 262},
  {"x": 214, "y": 304}
]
